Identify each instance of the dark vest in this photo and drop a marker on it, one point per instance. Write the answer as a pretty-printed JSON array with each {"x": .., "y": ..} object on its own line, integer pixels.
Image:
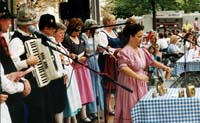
[
  {"x": 7, "y": 62},
  {"x": 23, "y": 38},
  {"x": 29, "y": 76}
]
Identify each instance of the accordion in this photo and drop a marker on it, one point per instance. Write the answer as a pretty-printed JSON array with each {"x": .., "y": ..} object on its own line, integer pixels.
[{"x": 49, "y": 67}]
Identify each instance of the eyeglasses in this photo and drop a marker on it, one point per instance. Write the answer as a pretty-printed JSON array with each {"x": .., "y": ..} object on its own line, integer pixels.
[{"x": 77, "y": 30}]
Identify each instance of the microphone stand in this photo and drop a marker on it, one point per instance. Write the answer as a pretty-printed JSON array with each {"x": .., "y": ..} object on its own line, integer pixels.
[
  {"x": 104, "y": 75},
  {"x": 108, "y": 51},
  {"x": 185, "y": 61},
  {"x": 52, "y": 45},
  {"x": 96, "y": 85},
  {"x": 49, "y": 44},
  {"x": 97, "y": 27},
  {"x": 185, "y": 56}
]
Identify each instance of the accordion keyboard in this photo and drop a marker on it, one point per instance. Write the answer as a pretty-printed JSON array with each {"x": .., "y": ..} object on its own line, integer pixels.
[{"x": 39, "y": 72}]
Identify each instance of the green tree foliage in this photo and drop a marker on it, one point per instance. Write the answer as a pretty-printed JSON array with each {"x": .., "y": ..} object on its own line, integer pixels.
[
  {"x": 126, "y": 8},
  {"x": 108, "y": 7},
  {"x": 191, "y": 5}
]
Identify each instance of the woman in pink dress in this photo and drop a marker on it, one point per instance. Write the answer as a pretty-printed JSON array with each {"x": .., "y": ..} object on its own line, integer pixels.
[{"x": 132, "y": 62}]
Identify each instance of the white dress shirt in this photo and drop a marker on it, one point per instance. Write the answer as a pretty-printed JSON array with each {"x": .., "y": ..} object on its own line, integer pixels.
[
  {"x": 11, "y": 88},
  {"x": 162, "y": 43},
  {"x": 16, "y": 48},
  {"x": 103, "y": 40}
]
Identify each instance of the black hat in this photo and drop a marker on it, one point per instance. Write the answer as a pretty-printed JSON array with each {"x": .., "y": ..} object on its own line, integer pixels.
[
  {"x": 47, "y": 20},
  {"x": 4, "y": 12}
]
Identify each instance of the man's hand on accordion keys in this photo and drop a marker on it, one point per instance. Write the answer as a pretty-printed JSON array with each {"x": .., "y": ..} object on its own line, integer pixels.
[{"x": 32, "y": 60}]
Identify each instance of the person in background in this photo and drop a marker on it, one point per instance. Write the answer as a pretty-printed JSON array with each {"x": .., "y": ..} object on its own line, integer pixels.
[
  {"x": 130, "y": 20},
  {"x": 132, "y": 62},
  {"x": 158, "y": 57},
  {"x": 76, "y": 46},
  {"x": 185, "y": 45},
  {"x": 149, "y": 35},
  {"x": 187, "y": 26},
  {"x": 153, "y": 40},
  {"x": 173, "y": 47},
  {"x": 90, "y": 39},
  {"x": 157, "y": 53},
  {"x": 152, "y": 71},
  {"x": 166, "y": 37},
  {"x": 162, "y": 42},
  {"x": 73, "y": 100},
  {"x": 196, "y": 24}
]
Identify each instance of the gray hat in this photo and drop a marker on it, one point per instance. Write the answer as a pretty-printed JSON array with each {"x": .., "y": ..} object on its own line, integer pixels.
[
  {"x": 27, "y": 15},
  {"x": 89, "y": 23}
]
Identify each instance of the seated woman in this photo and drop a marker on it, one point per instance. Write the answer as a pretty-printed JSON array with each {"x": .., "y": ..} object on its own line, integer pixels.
[{"x": 173, "y": 50}]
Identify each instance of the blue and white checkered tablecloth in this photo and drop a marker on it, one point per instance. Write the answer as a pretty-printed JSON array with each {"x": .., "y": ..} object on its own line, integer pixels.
[
  {"x": 191, "y": 65},
  {"x": 168, "y": 108}
]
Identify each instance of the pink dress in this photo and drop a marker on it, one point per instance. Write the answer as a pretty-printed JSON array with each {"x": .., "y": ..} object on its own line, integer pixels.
[
  {"x": 84, "y": 83},
  {"x": 125, "y": 100}
]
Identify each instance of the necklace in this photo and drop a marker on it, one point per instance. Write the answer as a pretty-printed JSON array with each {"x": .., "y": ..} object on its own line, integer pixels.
[{"x": 75, "y": 39}]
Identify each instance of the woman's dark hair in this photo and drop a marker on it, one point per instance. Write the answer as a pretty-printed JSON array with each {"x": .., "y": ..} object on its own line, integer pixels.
[
  {"x": 131, "y": 29},
  {"x": 188, "y": 34},
  {"x": 74, "y": 23}
]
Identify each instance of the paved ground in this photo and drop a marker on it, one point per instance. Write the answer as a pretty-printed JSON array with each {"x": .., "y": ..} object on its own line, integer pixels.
[
  {"x": 187, "y": 78},
  {"x": 181, "y": 81}
]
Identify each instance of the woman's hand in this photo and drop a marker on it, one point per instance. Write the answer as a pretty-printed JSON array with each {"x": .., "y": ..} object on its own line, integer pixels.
[
  {"x": 143, "y": 77},
  {"x": 83, "y": 59},
  {"x": 168, "y": 72},
  {"x": 167, "y": 69},
  {"x": 73, "y": 56}
]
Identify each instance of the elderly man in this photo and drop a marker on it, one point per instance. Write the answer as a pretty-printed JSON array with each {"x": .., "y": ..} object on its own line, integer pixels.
[{"x": 40, "y": 102}]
